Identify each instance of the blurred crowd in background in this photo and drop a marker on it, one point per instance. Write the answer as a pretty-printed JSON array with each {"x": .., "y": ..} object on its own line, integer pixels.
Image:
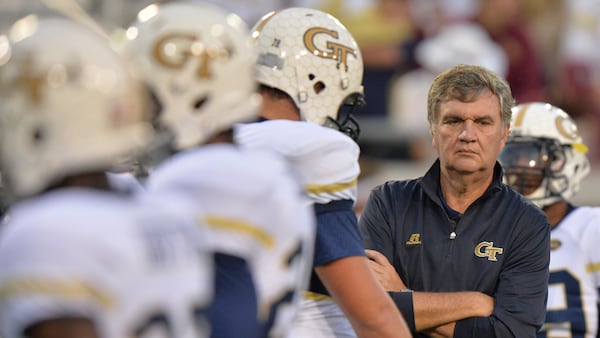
[{"x": 548, "y": 50}]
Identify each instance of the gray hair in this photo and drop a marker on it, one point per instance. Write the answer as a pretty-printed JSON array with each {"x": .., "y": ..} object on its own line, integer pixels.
[{"x": 465, "y": 83}]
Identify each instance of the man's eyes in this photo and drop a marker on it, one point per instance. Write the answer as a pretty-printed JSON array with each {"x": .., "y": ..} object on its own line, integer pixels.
[
  {"x": 482, "y": 122},
  {"x": 453, "y": 121}
]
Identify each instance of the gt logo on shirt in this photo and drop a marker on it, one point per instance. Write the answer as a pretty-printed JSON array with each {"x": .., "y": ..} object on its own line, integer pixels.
[
  {"x": 487, "y": 249},
  {"x": 176, "y": 49},
  {"x": 335, "y": 51}
]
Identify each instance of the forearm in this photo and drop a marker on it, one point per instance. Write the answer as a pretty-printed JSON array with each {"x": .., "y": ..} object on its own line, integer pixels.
[
  {"x": 444, "y": 331},
  {"x": 356, "y": 291},
  {"x": 432, "y": 310},
  {"x": 384, "y": 323}
]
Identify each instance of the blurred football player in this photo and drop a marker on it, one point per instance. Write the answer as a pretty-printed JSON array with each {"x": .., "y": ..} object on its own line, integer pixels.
[
  {"x": 78, "y": 259},
  {"x": 310, "y": 73},
  {"x": 545, "y": 160},
  {"x": 198, "y": 65}
]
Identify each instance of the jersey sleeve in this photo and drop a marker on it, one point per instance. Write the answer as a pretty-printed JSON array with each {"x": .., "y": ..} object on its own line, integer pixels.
[
  {"x": 337, "y": 232},
  {"x": 325, "y": 159}
]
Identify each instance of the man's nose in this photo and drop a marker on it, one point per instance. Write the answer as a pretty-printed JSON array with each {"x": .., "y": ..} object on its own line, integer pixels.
[{"x": 468, "y": 132}]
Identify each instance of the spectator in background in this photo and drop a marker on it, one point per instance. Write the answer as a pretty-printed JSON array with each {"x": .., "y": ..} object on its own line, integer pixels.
[
  {"x": 386, "y": 34},
  {"x": 576, "y": 85},
  {"x": 431, "y": 16},
  {"x": 504, "y": 22}
]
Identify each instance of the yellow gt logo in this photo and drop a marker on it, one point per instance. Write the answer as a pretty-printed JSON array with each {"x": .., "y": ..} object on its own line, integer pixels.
[
  {"x": 176, "y": 49},
  {"x": 335, "y": 51},
  {"x": 487, "y": 249}
]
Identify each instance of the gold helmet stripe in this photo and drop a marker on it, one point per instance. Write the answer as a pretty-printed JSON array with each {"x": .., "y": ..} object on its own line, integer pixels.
[
  {"x": 520, "y": 115},
  {"x": 262, "y": 23}
]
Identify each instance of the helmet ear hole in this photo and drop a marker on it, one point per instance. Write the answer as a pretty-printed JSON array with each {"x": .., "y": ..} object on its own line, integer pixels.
[
  {"x": 319, "y": 87},
  {"x": 198, "y": 104},
  {"x": 38, "y": 135}
]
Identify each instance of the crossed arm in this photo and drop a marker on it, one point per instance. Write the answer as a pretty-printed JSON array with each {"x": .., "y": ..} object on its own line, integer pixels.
[{"x": 435, "y": 313}]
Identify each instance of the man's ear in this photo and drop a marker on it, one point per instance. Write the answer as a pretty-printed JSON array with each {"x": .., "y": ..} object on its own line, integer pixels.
[
  {"x": 432, "y": 134},
  {"x": 505, "y": 136}
]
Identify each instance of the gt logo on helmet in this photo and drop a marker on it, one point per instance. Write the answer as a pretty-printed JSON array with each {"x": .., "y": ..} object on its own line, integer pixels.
[
  {"x": 335, "y": 51},
  {"x": 176, "y": 49}
]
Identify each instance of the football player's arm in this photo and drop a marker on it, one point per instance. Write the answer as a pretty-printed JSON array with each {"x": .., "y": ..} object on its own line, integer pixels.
[
  {"x": 354, "y": 288},
  {"x": 342, "y": 267},
  {"x": 430, "y": 309},
  {"x": 62, "y": 328}
]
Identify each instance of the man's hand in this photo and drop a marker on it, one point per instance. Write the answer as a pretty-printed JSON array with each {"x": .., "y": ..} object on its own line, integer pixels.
[{"x": 384, "y": 272}]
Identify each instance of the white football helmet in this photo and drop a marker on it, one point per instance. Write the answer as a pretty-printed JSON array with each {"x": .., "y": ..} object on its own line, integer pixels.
[
  {"x": 312, "y": 57},
  {"x": 544, "y": 157},
  {"x": 198, "y": 63},
  {"x": 69, "y": 104}
]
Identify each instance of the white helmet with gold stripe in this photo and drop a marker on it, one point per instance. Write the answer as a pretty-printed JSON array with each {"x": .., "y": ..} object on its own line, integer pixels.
[
  {"x": 69, "y": 104},
  {"x": 312, "y": 57},
  {"x": 544, "y": 157},
  {"x": 199, "y": 64}
]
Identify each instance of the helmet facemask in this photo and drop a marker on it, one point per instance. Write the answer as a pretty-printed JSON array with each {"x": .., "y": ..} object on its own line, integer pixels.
[
  {"x": 535, "y": 167},
  {"x": 345, "y": 122}
]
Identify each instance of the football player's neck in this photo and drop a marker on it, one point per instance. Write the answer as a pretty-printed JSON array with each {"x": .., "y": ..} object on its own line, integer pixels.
[
  {"x": 556, "y": 212},
  {"x": 94, "y": 180},
  {"x": 222, "y": 137},
  {"x": 279, "y": 109}
]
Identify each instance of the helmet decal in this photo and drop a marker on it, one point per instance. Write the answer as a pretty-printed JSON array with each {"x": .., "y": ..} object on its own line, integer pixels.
[
  {"x": 566, "y": 127},
  {"x": 335, "y": 51},
  {"x": 175, "y": 49}
]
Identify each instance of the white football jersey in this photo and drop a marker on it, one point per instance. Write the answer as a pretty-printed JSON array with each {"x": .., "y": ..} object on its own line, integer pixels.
[
  {"x": 574, "y": 284},
  {"x": 254, "y": 209},
  {"x": 134, "y": 269},
  {"x": 326, "y": 161}
]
